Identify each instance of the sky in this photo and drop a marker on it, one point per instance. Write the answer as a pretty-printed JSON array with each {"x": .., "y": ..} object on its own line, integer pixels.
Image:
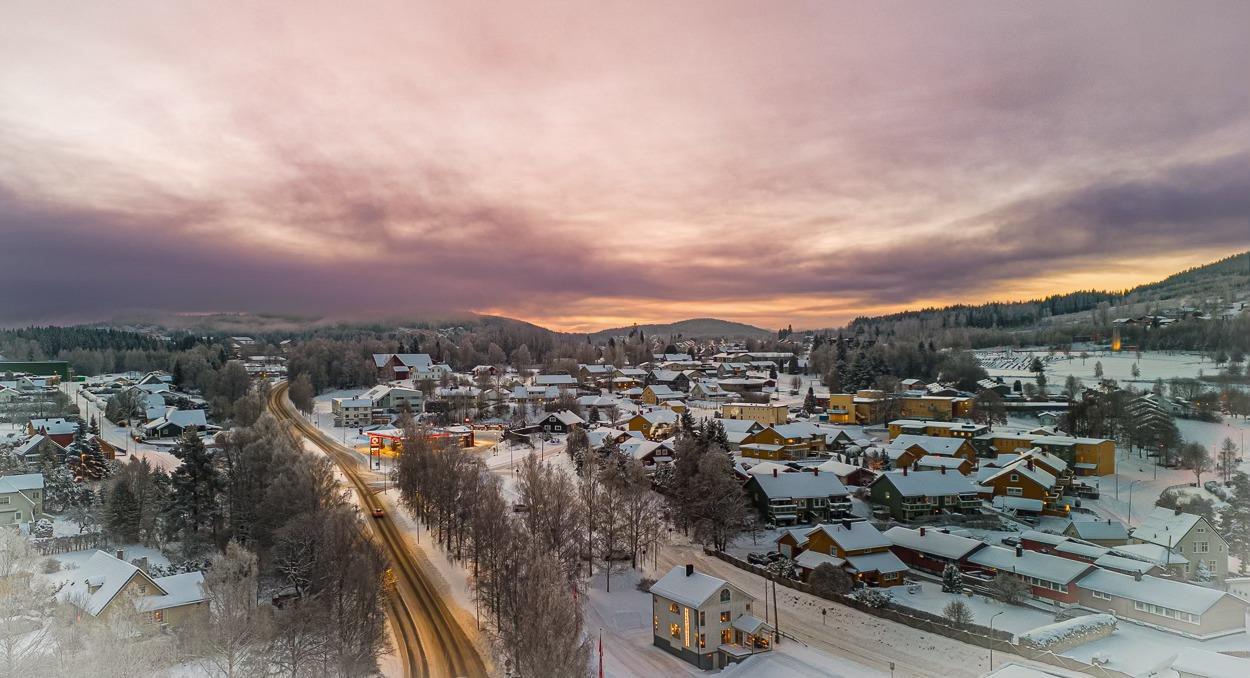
[{"x": 587, "y": 165}]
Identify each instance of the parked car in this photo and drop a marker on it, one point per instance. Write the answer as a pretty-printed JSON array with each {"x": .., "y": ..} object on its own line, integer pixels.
[
  {"x": 1011, "y": 541},
  {"x": 757, "y": 559}
]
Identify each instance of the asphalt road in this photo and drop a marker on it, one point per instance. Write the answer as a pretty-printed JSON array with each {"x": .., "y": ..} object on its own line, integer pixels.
[{"x": 428, "y": 639}]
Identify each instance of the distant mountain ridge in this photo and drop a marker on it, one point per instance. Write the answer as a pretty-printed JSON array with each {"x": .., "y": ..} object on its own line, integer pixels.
[
  {"x": 693, "y": 328},
  {"x": 1228, "y": 277}
]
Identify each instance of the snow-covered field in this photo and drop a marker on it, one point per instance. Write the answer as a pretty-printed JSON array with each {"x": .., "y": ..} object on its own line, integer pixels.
[{"x": 1119, "y": 366}]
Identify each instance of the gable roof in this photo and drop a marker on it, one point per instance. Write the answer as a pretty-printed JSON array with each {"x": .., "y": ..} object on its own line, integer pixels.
[
  {"x": 1099, "y": 529},
  {"x": 930, "y": 444},
  {"x": 21, "y": 483},
  {"x": 106, "y": 572},
  {"x": 691, "y": 590},
  {"x": 1165, "y": 527},
  {"x": 951, "y": 546},
  {"x": 1168, "y": 593},
  {"x": 853, "y": 535},
  {"x": 928, "y": 483},
  {"x": 799, "y": 485},
  {"x": 1021, "y": 467},
  {"x": 1031, "y": 564}
]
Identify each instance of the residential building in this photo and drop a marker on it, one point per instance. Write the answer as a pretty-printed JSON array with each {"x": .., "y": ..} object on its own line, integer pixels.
[
  {"x": 174, "y": 422},
  {"x": 1025, "y": 486},
  {"x": 1175, "y": 606},
  {"x": 907, "y": 449},
  {"x": 561, "y": 422},
  {"x": 654, "y": 424},
  {"x": 1102, "y": 532},
  {"x": 107, "y": 585},
  {"x": 852, "y": 545},
  {"x": 1188, "y": 535},
  {"x": 767, "y": 414},
  {"x": 59, "y": 429},
  {"x": 400, "y": 366},
  {"x": 916, "y": 494},
  {"x": 788, "y": 498},
  {"x": 21, "y": 499},
  {"x": 656, "y": 394},
  {"x": 705, "y": 620},
  {"x": 944, "y": 429},
  {"x": 394, "y": 398},
  {"x": 931, "y": 550},
  {"x": 352, "y": 412},
  {"x": 1050, "y": 578}
]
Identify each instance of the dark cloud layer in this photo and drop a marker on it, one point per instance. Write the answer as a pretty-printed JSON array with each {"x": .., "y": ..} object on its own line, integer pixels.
[{"x": 582, "y": 166}]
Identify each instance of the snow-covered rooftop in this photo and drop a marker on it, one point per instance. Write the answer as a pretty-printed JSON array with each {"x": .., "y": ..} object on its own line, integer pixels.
[
  {"x": 1167, "y": 593},
  {"x": 936, "y": 542}
]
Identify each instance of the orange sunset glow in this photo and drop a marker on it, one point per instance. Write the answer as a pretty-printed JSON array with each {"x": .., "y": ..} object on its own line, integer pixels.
[{"x": 589, "y": 165}]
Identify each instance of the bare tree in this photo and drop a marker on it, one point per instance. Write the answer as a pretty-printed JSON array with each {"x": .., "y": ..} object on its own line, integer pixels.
[{"x": 230, "y": 643}]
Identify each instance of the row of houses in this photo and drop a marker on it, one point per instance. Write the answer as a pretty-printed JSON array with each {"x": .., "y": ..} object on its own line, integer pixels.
[{"x": 1075, "y": 573}]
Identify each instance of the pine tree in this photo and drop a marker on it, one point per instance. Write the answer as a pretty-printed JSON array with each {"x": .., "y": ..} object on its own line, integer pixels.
[{"x": 1235, "y": 520}]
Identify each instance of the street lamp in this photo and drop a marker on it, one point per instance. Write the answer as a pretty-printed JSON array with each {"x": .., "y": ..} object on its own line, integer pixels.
[
  {"x": 992, "y": 637},
  {"x": 1130, "y": 501}
]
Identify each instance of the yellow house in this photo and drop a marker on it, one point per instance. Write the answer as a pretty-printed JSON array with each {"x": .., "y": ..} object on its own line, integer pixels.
[
  {"x": 941, "y": 429},
  {"x": 107, "y": 585},
  {"x": 926, "y": 407},
  {"x": 781, "y": 441},
  {"x": 765, "y": 413},
  {"x": 841, "y": 408},
  {"x": 654, "y": 424}
]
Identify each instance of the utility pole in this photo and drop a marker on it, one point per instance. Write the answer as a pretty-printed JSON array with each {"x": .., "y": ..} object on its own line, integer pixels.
[{"x": 776, "y": 616}]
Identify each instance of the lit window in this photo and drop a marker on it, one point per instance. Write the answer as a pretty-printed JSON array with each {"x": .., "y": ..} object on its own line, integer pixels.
[
  {"x": 655, "y": 623},
  {"x": 724, "y": 616},
  {"x": 672, "y": 607},
  {"x": 674, "y": 630},
  {"x": 702, "y": 640},
  {"x": 158, "y": 616}
]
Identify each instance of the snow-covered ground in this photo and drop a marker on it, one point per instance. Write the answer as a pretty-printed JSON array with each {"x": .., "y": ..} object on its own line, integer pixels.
[
  {"x": 1119, "y": 366},
  {"x": 1014, "y": 618}
]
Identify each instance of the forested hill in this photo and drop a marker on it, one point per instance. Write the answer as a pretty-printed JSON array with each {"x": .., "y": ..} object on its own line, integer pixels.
[
  {"x": 1225, "y": 279},
  {"x": 694, "y": 328}
]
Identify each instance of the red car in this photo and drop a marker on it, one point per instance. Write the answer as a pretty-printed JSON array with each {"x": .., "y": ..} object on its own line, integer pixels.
[{"x": 377, "y": 512}]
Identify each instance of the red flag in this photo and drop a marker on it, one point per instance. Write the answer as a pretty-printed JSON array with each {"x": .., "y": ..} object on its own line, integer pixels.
[{"x": 600, "y": 653}]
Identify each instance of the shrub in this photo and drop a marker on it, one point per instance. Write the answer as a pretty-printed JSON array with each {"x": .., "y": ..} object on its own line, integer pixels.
[
  {"x": 644, "y": 584},
  {"x": 957, "y": 612},
  {"x": 829, "y": 581},
  {"x": 42, "y": 529},
  {"x": 873, "y": 597},
  {"x": 1008, "y": 588},
  {"x": 51, "y": 565}
]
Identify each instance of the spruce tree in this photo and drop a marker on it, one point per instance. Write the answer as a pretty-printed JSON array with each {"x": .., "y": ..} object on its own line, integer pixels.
[
  {"x": 196, "y": 484},
  {"x": 122, "y": 514}
]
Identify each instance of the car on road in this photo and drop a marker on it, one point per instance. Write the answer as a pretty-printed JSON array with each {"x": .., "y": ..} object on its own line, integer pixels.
[{"x": 378, "y": 512}]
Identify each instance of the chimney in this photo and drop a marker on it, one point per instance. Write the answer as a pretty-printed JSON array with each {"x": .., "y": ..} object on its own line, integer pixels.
[
  {"x": 904, "y": 470},
  {"x": 774, "y": 473},
  {"x": 1029, "y": 463},
  {"x": 689, "y": 569},
  {"x": 1137, "y": 576},
  {"x": 816, "y": 471},
  {"x": 121, "y": 555},
  {"x": 922, "y": 531},
  {"x": 943, "y": 470},
  {"x": 1019, "y": 551},
  {"x": 1178, "y": 511}
]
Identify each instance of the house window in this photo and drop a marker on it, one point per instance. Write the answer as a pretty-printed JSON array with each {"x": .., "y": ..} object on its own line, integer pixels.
[
  {"x": 1200, "y": 547},
  {"x": 1014, "y": 492},
  {"x": 672, "y": 607},
  {"x": 655, "y": 623},
  {"x": 143, "y": 589},
  {"x": 1100, "y": 595},
  {"x": 1015, "y": 477},
  {"x": 702, "y": 619},
  {"x": 724, "y": 596},
  {"x": 702, "y": 640},
  {"x": 4, "y": 500},
  {"x": 158, "y": 616},
  {"x": 674, "y": 630},
  {"x": 724, "y": 616},
  {"x": 17, "y": 515}
]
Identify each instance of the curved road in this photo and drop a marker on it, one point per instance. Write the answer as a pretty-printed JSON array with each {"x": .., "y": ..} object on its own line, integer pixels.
[{"x": 428, "y": 639}]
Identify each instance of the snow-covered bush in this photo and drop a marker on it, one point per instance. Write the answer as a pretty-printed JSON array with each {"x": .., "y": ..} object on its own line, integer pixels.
[
  {"x": 783, "y": 567},
  {"x": 873, "y": 597},
  {"x": 51, "y": 565},
  {"x": 1070, "y": 633},
  {"x": 42, "y": 529},
  {"x": 1203, "y": 572}
]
